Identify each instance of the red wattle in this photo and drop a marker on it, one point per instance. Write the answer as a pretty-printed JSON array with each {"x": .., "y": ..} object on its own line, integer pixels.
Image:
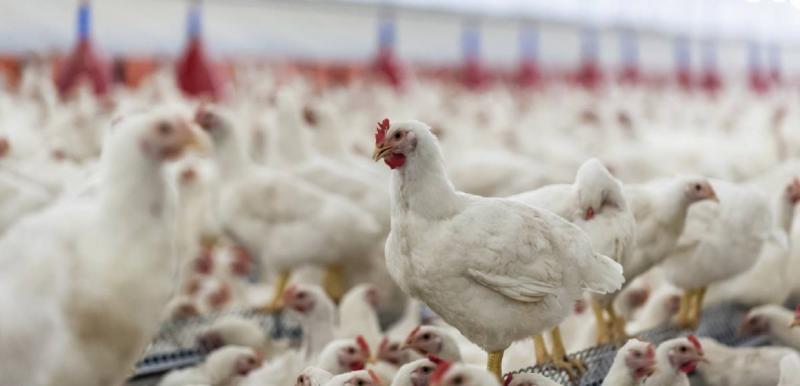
[
  {"x": 395, "y": 161},
  {"x": 196, "y": 75},
  {"x": 688, "y": 367}
]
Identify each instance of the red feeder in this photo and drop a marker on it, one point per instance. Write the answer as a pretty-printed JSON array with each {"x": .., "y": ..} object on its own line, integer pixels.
[
  {"x": 84, "y": 64},
  {"x": 196, "y": 75},
  {"x": 387, "y": 65}
]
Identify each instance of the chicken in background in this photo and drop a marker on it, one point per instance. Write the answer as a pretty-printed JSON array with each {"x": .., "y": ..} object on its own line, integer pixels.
[
  {"x": 226, "y": 366},
  {"x": 774, "y": 321},
  {"x": 768, "y": 280},
  {"x": 594, "y": 202},
  {"x": 459, "y": 374},
  {"x": 721, "y": 240},
  {"x": 740, "y": 366},
  {"x": 790, "y": 370},
  {"x": 284, "y": 220}
]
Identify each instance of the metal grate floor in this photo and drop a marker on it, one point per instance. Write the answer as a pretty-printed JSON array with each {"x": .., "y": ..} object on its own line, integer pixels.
[{"x": 175, "y": 345}]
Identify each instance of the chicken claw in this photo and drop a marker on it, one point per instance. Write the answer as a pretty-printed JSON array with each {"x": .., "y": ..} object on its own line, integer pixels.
[
  {"x": 333, "y": 282},
  {"x": 277, "y": 298}
]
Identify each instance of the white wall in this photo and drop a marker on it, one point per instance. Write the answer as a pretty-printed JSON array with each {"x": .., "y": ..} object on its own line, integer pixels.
[{"x": 332, "y": 30}]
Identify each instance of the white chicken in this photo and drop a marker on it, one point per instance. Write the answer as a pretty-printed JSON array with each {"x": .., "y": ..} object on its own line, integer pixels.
[
  {"x": 75, "y": 286},
  {"x": 226, "y": 366},
  {"x": 285, "y": 220},
  {"x": 459, "y": 374},
  {"x": 313, "y": 376},
  {"x": 660, "y": 208},
  {"x": 674, "y": 359},
  {"x": 790, "y": 370},
  {"x": 594, "y": 202},
  {"x": 536, "y": 275},
  {"x": 720, "y": 241},
  {"x": 773, "y": 321},
  {"x": 768, "y": 281},
  {"x": 635, "y": 361},
  {"x": 740, "y": 366},
  {"x": 416, "y": 373},
  {"x": 528, "y": 379},
  {"x": 355, "y": 378}
]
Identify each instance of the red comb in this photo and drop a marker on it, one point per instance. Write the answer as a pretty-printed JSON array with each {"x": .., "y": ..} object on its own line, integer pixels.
[
  {"x": 384, "y": 343},
  {"x": 438, "y": 374},
  {"x": 797, "y": 311},
  {"x": 375, "y": 379},
  {"x": 380, "y": 133},
  {"x": 695, "y": 342},
  {"x": 436, "y": 360},
  {"x": 362, "y": 344},
  {"x": 413, "y": 334},
  {"x": 507, "y": 379}
]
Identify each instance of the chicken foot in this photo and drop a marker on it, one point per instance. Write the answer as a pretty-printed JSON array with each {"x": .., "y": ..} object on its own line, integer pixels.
[
  {"x": 682, "y": 319},
  {"x": 542, "y": 356},
  {"x": 697, "y": 307},
  {"x": 617, "y": 325},
  {"x": 574, "y": 367}
]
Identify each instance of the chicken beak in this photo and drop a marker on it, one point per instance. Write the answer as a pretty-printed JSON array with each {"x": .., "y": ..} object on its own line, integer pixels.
[
  {"x": 381, "y": 151},
  {"x": 714, "y": 196},
  {"x": 795, "y": 323}
]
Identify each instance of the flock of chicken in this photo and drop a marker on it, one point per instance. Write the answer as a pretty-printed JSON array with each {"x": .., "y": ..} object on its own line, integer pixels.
[{"x": 124, "y": 212}]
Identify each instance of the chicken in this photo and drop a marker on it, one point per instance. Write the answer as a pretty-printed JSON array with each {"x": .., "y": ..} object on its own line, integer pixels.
[
  {"x": 343, "y": 355},
  {"x": 773, "y": 321},
  {"x": 740, "y": 366},
  {"x": 432, "y": 340},
  {"x": 660, "y": 208},
  {"x": 767, "y": 281},
  {"x": 72, "y": 288},
  {"x": 238, "y": 331},
  {"x": 796, "y": 320},
  {"x": 635, "y": 361},
  {"x": 528, "y": 379},
  {"x": 596, "y": 204},
  {"x": 790, "y": 370},
  {"x": 674, "y": 359},
  {"x": 536, "y": 275},
  {"x": 459, "y": 374},
  {"x": 284, "y": 220},
  {"x": 226, "y": 366},
  {"x": 355, "y": 378},
  {"x": 358, "y": 314},
  {"x": 416, "y": 373},
  {"x": 313, "y": 376},
  {"x": 720, "y": 241}
]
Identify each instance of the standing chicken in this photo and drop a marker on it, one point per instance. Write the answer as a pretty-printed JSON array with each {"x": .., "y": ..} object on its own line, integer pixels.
[
  {"x": 287, "y": 221},
  {"x": 660, "y": 209},
  {"x": 66, "y": 299},
  {"x": 721, "y": 240},
  {"x": 496, "y": 269},
  {"x": 596, "y": 204}
]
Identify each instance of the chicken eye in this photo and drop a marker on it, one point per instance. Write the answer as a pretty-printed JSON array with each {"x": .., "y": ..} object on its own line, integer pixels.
[
  {"x": 426, "y": 369},
  {"x": 164, "y": 128},
  {"x": 697, "y": 187},
  {"x": 683, "y": 349},
  {"x": 393, "y": 347},
  {"x": 637, "y": 354},
  {"x": 301, "y": 295},
  {"x": 351, "y": 350},
  {"x": 426, "y": 336},
  {"x": 397, "y": 135},
  {"x": 458, "y": 380},
  {"x": 251, "y": 361},
  {"x": 360, "y": 382}
]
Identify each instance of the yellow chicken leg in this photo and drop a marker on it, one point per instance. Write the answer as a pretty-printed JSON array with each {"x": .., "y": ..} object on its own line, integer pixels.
[
  {"x": 697, "y": 309},
  {"x": 685, "y": 309},
  {"x": 573, "y": 366},
  {"x": 542, "y": 356},
  {"x": 617, "y": 325},
  {"x": 603, "y": 336},
  {"x": 333, "y": 282},
  {"x": 494, "y": 364},
  {"x": 277, "y": 298}
]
